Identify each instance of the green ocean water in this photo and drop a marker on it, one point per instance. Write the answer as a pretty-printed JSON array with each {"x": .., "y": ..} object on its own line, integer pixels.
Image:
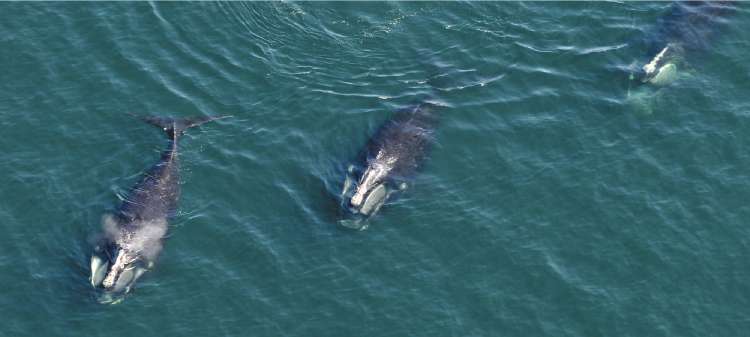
[{"x": 550, "y": 205}]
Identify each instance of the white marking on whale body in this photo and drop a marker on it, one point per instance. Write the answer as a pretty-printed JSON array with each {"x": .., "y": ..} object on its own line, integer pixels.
[
  {"x": 374, "y": 174},
  {"x": 651, "y": 66},
  {"x": 115, "y": 274}
]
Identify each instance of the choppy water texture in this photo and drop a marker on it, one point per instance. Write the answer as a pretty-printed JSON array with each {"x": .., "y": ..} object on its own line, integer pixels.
[{"x": 550, "y": 206}]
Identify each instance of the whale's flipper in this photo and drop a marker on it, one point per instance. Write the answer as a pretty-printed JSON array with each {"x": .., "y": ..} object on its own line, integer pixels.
[{"x": 174, "y": 127}]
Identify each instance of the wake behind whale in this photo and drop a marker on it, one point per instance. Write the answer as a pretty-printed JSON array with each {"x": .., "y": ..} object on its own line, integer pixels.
[{"x": 131, "y": 239}]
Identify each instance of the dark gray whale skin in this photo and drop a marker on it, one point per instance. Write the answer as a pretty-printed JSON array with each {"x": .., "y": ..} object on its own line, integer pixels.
[
  {"x": 133, "y": 236},
  {"x": 693, "y": 23},
  {"x": 155, "y": 195},
  {"x": 393, "y": 154}
]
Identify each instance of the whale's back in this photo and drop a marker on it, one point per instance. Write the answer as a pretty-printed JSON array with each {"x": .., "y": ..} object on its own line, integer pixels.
[
  {"x": 404, "y": 140},
  {"x": 155, "y": 195},
  {"x": 693, "y": 24}
]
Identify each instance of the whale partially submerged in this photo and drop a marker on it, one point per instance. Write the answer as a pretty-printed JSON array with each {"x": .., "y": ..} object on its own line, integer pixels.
[
  {"x": 392, "y": 155},
  {"x": 686, "y": 29},
  {"x": 674, "y": 46},
  {"x": 132, "y": 238}
]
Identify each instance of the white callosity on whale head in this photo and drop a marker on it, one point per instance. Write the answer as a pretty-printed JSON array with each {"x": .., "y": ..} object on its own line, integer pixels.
[
  {"x": 122, "y": 263},
  {"x": 373, "y": 176},
  {"x": 663, "y": 68},
  {"x": 650, "y": 67}
]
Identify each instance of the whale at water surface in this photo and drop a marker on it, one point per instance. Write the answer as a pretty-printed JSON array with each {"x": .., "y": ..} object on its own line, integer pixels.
[
  {"x": 392, "y": 155},
  {"x": 132, "y": 238},
  {"x": 686, "y": 29}
]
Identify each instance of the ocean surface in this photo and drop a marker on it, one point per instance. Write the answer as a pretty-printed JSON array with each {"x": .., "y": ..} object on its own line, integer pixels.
[{"x": 551, "y": 204}]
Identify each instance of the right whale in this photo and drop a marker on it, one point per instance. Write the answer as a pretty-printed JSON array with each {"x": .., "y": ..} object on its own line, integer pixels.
[
  {"x": 392, "y": 155},
  {"x": 133, "y": 236},
  {"x": 688, "y": 28}
]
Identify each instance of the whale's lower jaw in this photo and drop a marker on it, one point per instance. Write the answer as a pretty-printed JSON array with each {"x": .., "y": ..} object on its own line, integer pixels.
[
  {"x": 359, "y": 217},
  {"x": 99, "y": 268},
  {"x": 357, "y": 212},
  {"x": 664, "y": 75},
  {"x": 372, "y": 201},
  {"x": 363, "y": 200}
]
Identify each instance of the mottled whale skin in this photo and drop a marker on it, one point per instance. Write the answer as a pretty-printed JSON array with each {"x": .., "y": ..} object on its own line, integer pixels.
[
  {"x": 132, "y": 237},
  {"x": 392, "y": 155},
  {"x": 687, "y": 28}
]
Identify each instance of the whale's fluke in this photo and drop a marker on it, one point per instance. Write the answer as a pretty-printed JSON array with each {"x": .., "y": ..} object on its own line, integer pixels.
[{"x": 174, "y": 127}]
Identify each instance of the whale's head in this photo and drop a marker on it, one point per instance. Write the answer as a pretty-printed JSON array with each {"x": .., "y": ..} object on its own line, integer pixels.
[
  {"x": 124, "y": 254},
  {"x": 662, "y": 69},
  {"x": 121, "y": 274},
  {"x": 115, "y": 271},
  {"x": 371, "y": 190}
]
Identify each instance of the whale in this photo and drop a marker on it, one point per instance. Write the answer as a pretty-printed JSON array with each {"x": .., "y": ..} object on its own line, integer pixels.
[
  {"x": 392, "y": 155},
  {"x": 132, "y": 236},
  {"x": 687, "y": 29}
]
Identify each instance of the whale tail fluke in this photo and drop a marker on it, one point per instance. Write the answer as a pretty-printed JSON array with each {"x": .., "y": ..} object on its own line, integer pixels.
[{"x": 174, "y": 127}]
